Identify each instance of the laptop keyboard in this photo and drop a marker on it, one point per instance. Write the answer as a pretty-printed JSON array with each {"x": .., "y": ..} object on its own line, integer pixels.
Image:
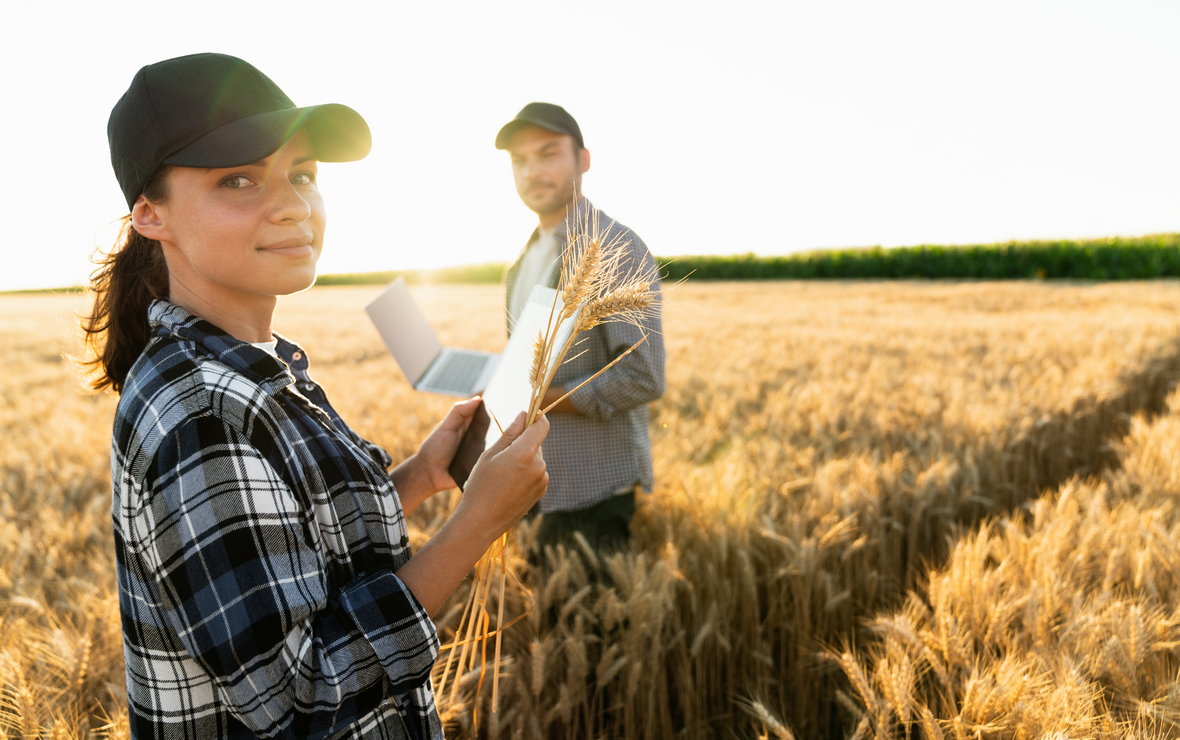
[{"x": 459, "y": 372}]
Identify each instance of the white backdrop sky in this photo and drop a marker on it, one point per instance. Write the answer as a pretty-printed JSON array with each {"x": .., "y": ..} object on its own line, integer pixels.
[{"x": 715, "y": 128}]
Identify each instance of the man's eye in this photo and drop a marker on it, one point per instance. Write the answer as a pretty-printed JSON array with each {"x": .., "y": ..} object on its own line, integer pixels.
[
  {"x": 236, "y": 182},
  {"x": 303, "y": 178}
]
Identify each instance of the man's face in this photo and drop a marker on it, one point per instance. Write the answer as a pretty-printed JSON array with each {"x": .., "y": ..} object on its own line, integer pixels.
[{"x": 547, "y": 168}]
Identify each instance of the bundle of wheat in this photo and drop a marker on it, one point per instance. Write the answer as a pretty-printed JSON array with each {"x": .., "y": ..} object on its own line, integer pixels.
[{"x": 594, "y": 288}]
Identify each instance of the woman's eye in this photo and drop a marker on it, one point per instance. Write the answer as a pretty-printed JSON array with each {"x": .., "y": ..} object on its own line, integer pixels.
[
  {"x": 303, "y": 178},
  {"x": 236, "y": 182}
]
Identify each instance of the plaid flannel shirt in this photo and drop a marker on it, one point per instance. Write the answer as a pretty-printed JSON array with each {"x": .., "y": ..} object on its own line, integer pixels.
[
  {"x": 257, "y": 539},
  {"x": 604, "y": 450}
]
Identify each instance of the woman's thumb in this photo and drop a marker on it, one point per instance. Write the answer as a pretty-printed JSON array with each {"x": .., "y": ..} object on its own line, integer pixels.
[{"x": 511, "y": 433}]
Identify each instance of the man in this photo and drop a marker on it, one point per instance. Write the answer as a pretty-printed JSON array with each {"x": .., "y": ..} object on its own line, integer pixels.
[{"x": 598, "y": 452}]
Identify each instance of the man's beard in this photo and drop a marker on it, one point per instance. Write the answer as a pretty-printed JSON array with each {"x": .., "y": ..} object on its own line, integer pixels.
[{"x": 555, "y": 199}]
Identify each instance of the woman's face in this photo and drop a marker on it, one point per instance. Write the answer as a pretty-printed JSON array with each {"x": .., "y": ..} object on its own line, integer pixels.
[{"x": 244, "y": 232}]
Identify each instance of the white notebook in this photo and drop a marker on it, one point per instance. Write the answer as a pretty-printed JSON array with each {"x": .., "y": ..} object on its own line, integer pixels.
[{"x": 508, "y": 392}]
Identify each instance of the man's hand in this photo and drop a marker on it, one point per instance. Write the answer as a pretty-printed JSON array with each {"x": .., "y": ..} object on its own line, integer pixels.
[
  {"x": 565, "y": 407},
  {"x": 424, "y": 473}
]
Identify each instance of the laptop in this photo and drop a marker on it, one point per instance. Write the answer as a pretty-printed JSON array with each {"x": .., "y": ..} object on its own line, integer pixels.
[{"x": 428, "y": 365}]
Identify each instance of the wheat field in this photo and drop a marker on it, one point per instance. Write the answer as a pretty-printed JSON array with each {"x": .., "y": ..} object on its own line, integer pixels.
[{"x": 897, "y": 509}]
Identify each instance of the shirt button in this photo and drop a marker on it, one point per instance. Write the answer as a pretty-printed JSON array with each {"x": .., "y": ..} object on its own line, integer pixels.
[
  {"x": 296, "y": 356},
  {"x": 308, "y": 386}
]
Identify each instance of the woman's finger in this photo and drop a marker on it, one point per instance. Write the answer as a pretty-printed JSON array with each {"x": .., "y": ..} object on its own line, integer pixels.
[
  {"x": 511, "y": 433},
  {"x": 534, "y": 435}
]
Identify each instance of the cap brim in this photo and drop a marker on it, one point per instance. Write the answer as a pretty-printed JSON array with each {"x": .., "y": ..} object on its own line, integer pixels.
[
  {"x": 338, "y": 134},
  {"x": 504, "y": 138}
]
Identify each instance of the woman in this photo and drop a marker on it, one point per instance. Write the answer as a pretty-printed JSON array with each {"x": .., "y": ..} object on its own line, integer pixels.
[{"x": 265, "y": 577}]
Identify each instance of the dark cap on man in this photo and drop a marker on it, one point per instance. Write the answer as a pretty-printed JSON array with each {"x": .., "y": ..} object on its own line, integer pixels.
[
  {"x": 215, "y": 110},
  {"x": 546, "y": 115}
]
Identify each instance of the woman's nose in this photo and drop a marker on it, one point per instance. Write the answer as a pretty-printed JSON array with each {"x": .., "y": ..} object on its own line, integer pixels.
[{"x": 289, "y": 204}]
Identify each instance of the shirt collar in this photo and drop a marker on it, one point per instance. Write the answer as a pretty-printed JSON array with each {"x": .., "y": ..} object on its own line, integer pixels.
[
  {"x": 581, "y": 210},
  {"x": 578, "y": 214},
  {"x": 271, "y": 374}
]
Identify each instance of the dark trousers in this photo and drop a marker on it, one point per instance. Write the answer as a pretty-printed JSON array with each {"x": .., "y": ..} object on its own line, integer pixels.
[
  {"x": 605, "y": 525},
  {"x": 607, "y": 528}
]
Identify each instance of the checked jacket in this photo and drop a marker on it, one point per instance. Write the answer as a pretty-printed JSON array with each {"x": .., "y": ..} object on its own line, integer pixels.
[{"x": 257, "y": 538}]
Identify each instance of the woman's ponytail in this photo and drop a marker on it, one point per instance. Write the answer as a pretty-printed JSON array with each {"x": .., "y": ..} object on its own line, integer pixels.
[{"x": 127, "y": 279}]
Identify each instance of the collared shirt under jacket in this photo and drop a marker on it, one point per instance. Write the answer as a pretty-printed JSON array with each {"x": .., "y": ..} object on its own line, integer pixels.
[
  {"x": 257, "y": 538},
  {"x": 605, "y": 449}
]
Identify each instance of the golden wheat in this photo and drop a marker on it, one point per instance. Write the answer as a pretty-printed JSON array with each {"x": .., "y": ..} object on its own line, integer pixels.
[
  {"x": 1062, "y": 620},
  {"x": 818, "y": 446},
  {"x": 578, "y": 277}
]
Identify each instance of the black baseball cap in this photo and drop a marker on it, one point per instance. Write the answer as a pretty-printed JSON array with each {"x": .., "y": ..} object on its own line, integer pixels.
[
  {"x": 215, "y": 110},
  {"x": 547, "y": 116}
]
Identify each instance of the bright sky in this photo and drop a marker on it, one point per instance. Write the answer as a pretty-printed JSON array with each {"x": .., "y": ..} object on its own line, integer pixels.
[{"x": 715, "y": 128}]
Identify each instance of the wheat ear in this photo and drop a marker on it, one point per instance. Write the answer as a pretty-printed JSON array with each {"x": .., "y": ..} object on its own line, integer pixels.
[
  {"x": 582, "y": 281},
  {"x": 626, "y": 301}
]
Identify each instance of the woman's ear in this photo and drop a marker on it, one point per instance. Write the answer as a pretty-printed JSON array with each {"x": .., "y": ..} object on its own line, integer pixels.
[{"x": 147, "y": 219}]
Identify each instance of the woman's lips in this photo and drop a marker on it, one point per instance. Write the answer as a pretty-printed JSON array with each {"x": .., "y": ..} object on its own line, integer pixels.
[
  {"x": 303, "y": 250},
  {"x": 296, "y": 247}
]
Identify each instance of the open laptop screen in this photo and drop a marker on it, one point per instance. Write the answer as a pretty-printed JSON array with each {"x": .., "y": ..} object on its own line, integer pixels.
[{"x": 405, "y": 330}]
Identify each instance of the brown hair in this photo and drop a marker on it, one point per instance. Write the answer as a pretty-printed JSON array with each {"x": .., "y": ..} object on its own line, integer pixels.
[{"x": 128, "y": 277}]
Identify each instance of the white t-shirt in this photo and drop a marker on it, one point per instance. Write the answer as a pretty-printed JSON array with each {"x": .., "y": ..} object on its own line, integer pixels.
[
  {"x": 271, "y": 348},
  {"x": 534, "y": 266}
]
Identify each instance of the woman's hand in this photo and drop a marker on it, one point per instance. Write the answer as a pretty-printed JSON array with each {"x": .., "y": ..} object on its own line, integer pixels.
[
  {"x": 424, "y": 473},
  {"x": 508, "y": 479}
]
